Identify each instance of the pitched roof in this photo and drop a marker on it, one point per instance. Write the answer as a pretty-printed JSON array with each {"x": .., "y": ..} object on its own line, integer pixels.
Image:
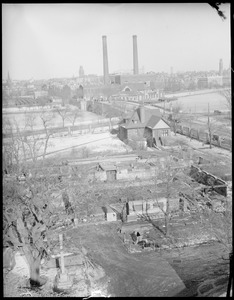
[
  {"x": 148, "y": 111},
  {"x": 153, "y": 121},
  {"x": 136, "y": 116},
  {"x": 157, "y": 123}
]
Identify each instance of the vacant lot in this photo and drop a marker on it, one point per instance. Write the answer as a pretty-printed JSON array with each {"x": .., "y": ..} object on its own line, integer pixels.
[
  {"x": 55, "y": 120},
  {"x": 132, "y": 275},
  {"x": 85, "y": 146}
]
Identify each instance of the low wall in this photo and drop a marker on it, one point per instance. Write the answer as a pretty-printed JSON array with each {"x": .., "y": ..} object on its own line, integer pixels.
[{"x": 128, "y": 174}]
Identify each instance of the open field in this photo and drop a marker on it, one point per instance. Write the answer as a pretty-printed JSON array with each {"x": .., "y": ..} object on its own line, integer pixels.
[
  {"x": 55, "y": 120},
  {"x": 87, "y": 145}
]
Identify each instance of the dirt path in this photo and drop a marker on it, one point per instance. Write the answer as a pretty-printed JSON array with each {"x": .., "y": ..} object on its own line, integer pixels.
[{"x": 138, "y": 274}]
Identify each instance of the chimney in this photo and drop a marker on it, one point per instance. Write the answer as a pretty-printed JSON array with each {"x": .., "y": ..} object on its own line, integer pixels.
[
  {"x": 135, "y": 56},
  {"x": 142, "y": 113},
  {"x": 105, "y": 61},
  {"x": 220, "y": 67}
]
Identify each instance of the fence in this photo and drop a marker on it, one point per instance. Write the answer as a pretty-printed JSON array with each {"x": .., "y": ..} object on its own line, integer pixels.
[{"x": 216, "y": 140}]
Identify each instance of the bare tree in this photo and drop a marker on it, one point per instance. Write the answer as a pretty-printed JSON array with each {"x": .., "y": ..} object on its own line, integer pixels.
[
  {"x": 167, "y": 172},
  {"x": 28, "y": 219},
  {"x": 10, "y": 149},
  {"x": 175, "y": 115},
  {"x": 220, "y": 223},
  {"x": 73, "y": 116},
  {"x": 63, "y": 112},
  {"x": 228, "y": 97},
  {"x": 216, "y": 6},
  {"x": 24, "y": 144},
  {"x": 46, "y": 118}
]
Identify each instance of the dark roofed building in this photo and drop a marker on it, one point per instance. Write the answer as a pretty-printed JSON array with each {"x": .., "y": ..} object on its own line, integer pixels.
[
  {"x": 145, "y": 122},
  {"x": 156, "y": 130}
]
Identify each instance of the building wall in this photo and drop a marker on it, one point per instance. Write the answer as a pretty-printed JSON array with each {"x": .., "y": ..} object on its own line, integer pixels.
[
  {"x": 123, "y": 134},
  {"x": 111, "y": 215},
  {"x": 160, "y": 132},
  {"x": 206, "y": 178},
  {"x": 83, "y": 105},
  {"x": 139, "y": 132},
  {"x": 128, "y": 174},
  {"x": 151, "y": 207}
]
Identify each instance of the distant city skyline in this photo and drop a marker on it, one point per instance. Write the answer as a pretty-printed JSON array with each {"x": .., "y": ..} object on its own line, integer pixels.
[{"x": 43, "y": 41}]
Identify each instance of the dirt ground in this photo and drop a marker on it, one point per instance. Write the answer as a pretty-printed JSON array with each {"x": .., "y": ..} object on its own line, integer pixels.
[
  {"x": 139, "y": 274},
  {"x": 145, "y": 274}
]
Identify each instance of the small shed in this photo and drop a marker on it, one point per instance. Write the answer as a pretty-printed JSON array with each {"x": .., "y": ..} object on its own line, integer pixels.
[
  {"x": 110, "y": 214},
  {"x": 109, "y": 169}
]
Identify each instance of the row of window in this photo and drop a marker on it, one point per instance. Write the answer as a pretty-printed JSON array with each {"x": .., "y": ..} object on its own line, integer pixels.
[{"x": 139, "y": 207}]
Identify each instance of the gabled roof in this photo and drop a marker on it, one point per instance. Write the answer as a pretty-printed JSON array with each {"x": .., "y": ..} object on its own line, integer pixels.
[
  {"x": 136, "y": 116},
  {"x": 132, "y": 116},
  {"x": 148, "y": 111},
  {"x": 157, "y": 123},
  {"x": 153, "y": 121}
]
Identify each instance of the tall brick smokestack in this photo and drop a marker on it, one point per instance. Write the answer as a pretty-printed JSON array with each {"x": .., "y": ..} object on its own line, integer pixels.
[
  {"x": 105, "y": 61},
  {"x": 135, "y": 56},
  {"x": 220, "y": 67}
]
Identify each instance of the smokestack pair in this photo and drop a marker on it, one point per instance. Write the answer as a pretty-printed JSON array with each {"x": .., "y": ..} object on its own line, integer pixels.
[{"x": 105, "y": 58}]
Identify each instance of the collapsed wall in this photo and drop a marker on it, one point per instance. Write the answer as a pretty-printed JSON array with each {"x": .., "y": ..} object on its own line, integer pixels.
[{"x": 201, "y": 176}]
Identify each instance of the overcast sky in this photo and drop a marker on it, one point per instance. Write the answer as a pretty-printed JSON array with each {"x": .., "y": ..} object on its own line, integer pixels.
[{"x": 43, "y": 41}]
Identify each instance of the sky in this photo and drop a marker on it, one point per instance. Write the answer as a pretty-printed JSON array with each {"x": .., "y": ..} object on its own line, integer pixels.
[{"x": 43, "y": 41}]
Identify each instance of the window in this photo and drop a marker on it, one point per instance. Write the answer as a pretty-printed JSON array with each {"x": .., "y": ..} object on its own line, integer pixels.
[{"x": 165, "y": 132}]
